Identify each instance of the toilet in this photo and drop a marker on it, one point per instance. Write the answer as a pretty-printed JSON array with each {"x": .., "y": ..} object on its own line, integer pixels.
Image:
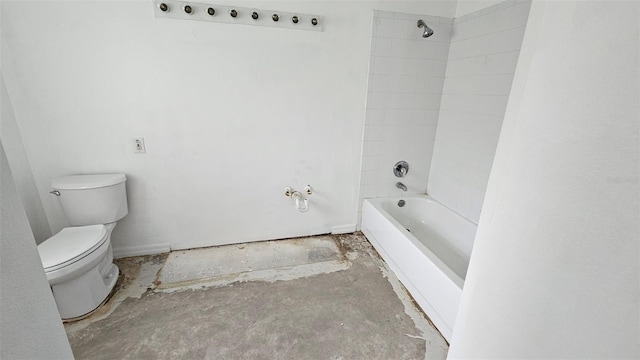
[{"x": 78, "y": 261}]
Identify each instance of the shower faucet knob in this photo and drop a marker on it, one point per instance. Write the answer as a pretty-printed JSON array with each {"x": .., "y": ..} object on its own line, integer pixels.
[{"x": 400, "y": 169}]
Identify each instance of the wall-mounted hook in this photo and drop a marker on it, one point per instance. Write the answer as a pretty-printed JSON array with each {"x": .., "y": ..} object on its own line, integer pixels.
[
  {"x": 211, "y": 11},
  {"x": 254, "y": 15},
  {"x": 275, "y": 17},
  {"x": 295, "y": 19},
  {"x": 314, "y": 21},
  {"x": 288, "y": 191},
  {"x": 308, "y": 190},
  {"x": 233, "y": 13},
  {"x": 164, "y": 7},
  {"x": 188, "y": 9}
]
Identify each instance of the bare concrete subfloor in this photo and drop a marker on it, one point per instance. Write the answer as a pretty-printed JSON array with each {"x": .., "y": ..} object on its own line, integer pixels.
[{"x": 345, "y": 307}]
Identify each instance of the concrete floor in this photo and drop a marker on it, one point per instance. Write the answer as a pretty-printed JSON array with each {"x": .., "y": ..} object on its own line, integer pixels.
[{"x": 339, "y": 301}]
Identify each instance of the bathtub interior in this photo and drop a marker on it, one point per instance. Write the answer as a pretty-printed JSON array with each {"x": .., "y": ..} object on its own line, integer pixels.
[{"x": 446, "y": 234}]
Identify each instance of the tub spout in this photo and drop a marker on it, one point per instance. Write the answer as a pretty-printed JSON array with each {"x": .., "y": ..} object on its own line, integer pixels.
[{"x": 401, "y": 186}]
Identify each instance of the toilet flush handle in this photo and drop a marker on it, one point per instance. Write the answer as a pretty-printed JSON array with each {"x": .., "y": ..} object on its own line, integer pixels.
[{"x": 55, "y": 192}]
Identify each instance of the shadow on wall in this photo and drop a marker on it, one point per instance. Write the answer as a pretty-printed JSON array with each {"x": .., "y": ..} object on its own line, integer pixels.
[{"x": 21, "y": 169}]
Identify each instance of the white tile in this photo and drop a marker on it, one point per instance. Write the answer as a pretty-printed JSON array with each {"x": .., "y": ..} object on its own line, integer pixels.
[
  {"x": 413, "y": 67},
  {"x": 406, "y": 29},
  {"x": 401, "y": 83},
  {"x": 494, "y": 64},
  {"x": 389, "y": 134},
  {"x": 474, "y": 213},
  {"x": 427, "y": 101},
  {"x": 429, "y": 117},
  {"x": 372, "y": 148},
  {"x": 433, "y": 50},
  {"x": 413, "y": 49},
  {"x": 399, "y": 47},
  {"x": 368, "y": 191},
  {"x": 441, "y": 32},
  {"x": 485, "y": 142},
  {"x": 484, "y": 161},
  {"x": 476, "y": 104},
  {"x": 408, "y": 101},
  {"x": 394, "y": 100},
  {"x": 384, "y": 27},
  {"x": 405, "y": 16},
  {"x": 509, "y": 18},
  {"x": 369, "y": 163},
  {"x": 391, "y": 117},
  {"x": 479, "y": 85},
  {"x": 396, "y": 66},
  {"x": 378, "y": 83},
  {"x": 374, "y": 117},
  {"x": 369, "y": 177},
  {"x": 481, "y": 177},
  {"x": 492, "y": 43},
  {"x": 386, "y": 14},
  {"x": 445, "y": 20},
  {"x": 380, "y": 65},
  {"x": 373, "y": 133},
  {"x": 429, "y": 84},
  {"x": 433, "y": 68},
  {"x": 376, "y": 100},
  {"x": 382, "y": 46}
]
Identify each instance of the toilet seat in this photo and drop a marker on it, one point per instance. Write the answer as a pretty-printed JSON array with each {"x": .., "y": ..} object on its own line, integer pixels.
[{"x": 71, "y": 245}]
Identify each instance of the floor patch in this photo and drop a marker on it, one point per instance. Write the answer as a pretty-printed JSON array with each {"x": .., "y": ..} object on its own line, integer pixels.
[{"x": 268, "y": 260}]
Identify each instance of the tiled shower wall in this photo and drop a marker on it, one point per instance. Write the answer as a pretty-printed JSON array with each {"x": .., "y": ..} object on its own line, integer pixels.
[
  {"x": 482, "y": 59},
  {"x": 406, "y": 75}
]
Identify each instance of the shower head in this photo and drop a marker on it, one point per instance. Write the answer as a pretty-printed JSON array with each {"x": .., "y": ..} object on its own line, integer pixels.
[{"x": 427, "y": 30}]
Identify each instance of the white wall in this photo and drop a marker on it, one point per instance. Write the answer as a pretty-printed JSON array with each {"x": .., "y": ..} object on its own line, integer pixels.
[
  {"x": 555, "y": 267},
  {"x": 230, "y": 114},
  {"x": 406, "y": 72},
  {"x": 31, "y": 327},
  {"x": 22, "y": 173},
  {"x": 464, "y": 7},
  {"x": 481, "y": 63}
]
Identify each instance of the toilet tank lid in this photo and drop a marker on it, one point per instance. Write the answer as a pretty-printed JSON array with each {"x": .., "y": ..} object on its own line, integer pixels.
[{"x": 81, "y": 182}]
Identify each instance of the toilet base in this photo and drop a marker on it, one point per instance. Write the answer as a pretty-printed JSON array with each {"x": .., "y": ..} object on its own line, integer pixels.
[
  {"x": 81, "y": 295},
  {"x": 82, "y": 317}
]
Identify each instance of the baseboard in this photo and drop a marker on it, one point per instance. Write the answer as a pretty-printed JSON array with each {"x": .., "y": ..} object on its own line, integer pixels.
[
  {"x": 343, "y": 229},
  {"x": 120, "y": 252}
]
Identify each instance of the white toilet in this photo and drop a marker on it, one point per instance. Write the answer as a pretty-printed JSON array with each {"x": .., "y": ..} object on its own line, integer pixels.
[{"x": 78, "y": 260}]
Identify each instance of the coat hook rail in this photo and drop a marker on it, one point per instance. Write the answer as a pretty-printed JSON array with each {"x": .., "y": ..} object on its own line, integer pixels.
[{"x": 236, "y": 15}]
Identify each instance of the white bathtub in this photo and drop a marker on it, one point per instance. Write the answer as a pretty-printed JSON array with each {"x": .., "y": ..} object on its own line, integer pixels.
[{"x": 427, "y": 246}]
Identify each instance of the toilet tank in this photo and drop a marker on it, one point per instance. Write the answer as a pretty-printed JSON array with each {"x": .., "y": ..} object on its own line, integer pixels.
[{"x": 92, "y": 199}]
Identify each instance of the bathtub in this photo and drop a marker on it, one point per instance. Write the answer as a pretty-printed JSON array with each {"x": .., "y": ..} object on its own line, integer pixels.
[{"x": 427, "y": 246}]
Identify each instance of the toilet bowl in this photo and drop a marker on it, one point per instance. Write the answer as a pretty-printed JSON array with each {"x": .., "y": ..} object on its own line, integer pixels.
[{"x": 78, "y": 261}]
